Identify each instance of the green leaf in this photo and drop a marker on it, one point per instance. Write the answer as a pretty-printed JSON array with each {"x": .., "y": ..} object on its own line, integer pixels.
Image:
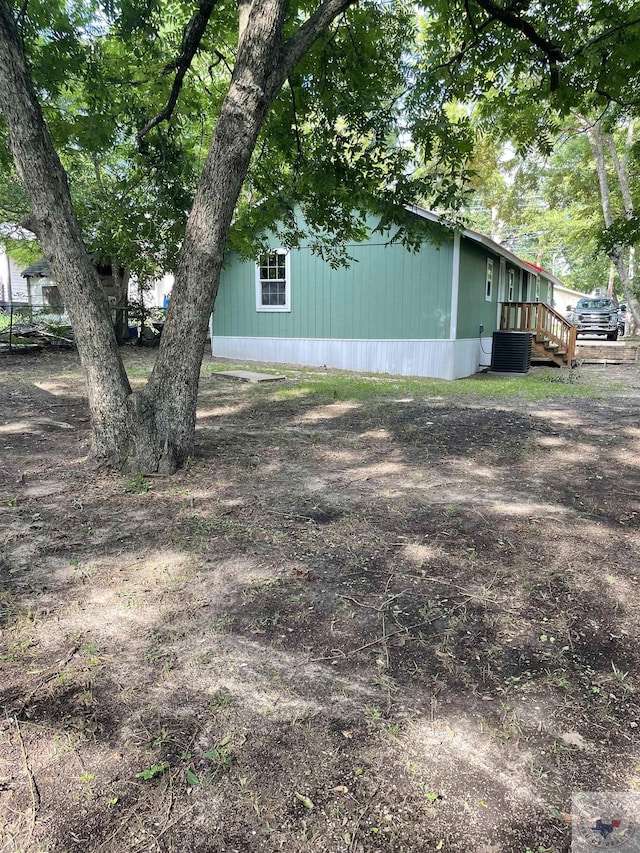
[
  {"x": 153, "y": 771},
  {"x": 192, "y": 779}
]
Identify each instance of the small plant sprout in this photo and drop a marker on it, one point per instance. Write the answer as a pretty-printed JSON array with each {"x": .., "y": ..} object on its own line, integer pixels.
[
  {"x": 191, "y": 777},
  {"x": 619, "y": 674},
  {"x": 153, "y": 771},
  {"x": 372, "y": 713},
  {"x": 138, "y": 485},
  {"x": 306, "y": 801},
  {"x": 221, "y": 753}
]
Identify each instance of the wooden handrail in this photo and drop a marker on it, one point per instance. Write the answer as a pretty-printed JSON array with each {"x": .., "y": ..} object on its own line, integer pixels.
[{"x": 541, "y": 320}]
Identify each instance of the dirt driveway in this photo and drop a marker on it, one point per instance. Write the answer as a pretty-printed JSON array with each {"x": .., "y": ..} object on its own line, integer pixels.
[{"x": 403, "y": 620}]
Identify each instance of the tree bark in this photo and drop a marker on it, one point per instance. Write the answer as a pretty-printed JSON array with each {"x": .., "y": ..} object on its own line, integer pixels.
[
  {"x": 168, "y": 404},
  {"x": 58, "y": 232},
  {"x": 153, "y": 429},
  {"x": 121, "y": 286},
  {"x": 611, "y": 291}
]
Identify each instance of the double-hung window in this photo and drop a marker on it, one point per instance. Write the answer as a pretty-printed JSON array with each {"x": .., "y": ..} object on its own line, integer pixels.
[
  {"x": 273, "y": 281},
  {"x": 488, "y": 291},
  {"x": 511, "y": 286}
]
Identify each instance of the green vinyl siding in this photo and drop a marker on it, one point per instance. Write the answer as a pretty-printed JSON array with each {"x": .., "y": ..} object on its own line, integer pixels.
[
  {"x": 546, "y": 291},
  {"x": 529, "y": 288},
  {"x": 473, "y": 308},
  {"x": 386, "y": 293}
]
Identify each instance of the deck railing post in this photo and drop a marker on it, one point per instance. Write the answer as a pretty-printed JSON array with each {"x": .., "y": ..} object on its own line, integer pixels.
[{"x": 541, "y": 320}]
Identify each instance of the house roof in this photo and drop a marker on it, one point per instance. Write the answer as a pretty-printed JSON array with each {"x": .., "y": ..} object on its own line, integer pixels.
[
  {"x": 488, "y": 243},
  {"x": 40, "y": 269}
]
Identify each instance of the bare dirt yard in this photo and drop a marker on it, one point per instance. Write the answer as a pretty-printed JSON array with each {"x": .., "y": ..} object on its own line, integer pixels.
[{"x": 369, "y": 615}]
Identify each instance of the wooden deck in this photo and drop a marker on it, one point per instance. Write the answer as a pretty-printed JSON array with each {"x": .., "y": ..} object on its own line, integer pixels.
[{"x": 552, "y": 336}]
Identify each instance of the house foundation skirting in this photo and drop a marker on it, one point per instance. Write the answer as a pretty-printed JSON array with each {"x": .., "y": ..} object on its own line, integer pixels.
[{"x": 440, "y": 359}]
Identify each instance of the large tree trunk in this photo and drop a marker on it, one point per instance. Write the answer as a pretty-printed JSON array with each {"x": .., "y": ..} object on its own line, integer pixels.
[
  {"x": 152, "y": 429},
  {"x": 166, "y": 408},
  {"x": 168, "y": 403},
  {"x": 53, "y": 221}
]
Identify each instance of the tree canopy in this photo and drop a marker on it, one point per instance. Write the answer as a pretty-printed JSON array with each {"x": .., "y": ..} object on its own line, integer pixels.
[
  {"x": 385, "y": 108},
  {"x": 183, "y": 127}
]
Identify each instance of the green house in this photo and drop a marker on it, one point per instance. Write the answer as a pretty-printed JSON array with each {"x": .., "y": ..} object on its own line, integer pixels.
[{"x": 425, "y": 313}]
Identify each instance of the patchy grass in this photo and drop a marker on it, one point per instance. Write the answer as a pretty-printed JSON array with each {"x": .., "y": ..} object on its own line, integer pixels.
[
  {"x": 349, "y": 387},
  {"x": 540, "y": 384},
  {"x": 371, "y": 615}
]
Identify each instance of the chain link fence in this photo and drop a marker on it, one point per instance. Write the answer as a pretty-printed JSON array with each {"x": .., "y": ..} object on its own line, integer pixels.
[{"x": 27, "y": 328}]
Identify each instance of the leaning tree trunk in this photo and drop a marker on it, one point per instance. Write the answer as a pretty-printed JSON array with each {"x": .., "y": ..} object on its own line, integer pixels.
[
  {"x": 153, "y": 429},
  {"x": 166, "y": 408},
  {"x": 53, "y": 220}
]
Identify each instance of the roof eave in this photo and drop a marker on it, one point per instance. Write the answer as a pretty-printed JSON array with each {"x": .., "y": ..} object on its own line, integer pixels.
[{"x": 488, "y": 243}]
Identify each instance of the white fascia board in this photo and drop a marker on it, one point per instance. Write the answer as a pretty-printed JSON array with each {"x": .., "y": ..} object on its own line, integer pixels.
[{"x": 488, "y": 243}]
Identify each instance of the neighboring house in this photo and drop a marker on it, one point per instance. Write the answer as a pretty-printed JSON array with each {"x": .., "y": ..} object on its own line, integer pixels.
[
  {"x": 38, "y": 288},
  {"x": 13, "y": 288},
  {"x": 565, "y": 297},
  {"x": 425, "y": 313},
  {"x": 157, "y": 294},
  {"x": 42, "y": 290}
]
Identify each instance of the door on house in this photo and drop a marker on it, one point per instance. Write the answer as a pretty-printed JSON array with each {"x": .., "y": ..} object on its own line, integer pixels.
[{"x": 51, "y": 295}]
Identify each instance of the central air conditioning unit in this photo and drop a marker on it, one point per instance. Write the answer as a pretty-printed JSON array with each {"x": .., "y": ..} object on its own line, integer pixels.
[{"x": 511, "y": 352}]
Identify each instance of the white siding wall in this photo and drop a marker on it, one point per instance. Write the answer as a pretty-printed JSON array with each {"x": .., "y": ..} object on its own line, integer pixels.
[
  {"x": 438, "y": 359},
  {"x": 37, "y": 283},
  {"x": 154, "y": 295},
  {"x": 10, "y": 274}
]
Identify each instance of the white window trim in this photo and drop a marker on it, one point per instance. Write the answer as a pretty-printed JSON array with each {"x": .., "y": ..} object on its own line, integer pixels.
[
  {"x": 511, "y": 286},
  {"x": 271, "y": 309},
  {"x": 488, "y": 283},
  {"x": 537, "y": 290}
]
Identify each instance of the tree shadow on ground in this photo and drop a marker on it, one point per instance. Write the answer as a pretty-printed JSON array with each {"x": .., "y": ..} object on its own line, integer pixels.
[{"x": 380, "y": 627}]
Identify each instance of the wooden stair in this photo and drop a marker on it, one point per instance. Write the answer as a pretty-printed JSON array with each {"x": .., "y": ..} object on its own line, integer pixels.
[
  {"x": 552, "y": 336},
  {"x": 547, "y": 348}
]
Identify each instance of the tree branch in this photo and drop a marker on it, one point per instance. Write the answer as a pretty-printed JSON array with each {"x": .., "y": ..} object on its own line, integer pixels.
[
  {"x": 22, "y": 12},
  {"x": 603, "y": 37},
  {"x": 511, "y": 19},
  {"x": 466, "y": 46},
  {"x": 472, "y": 23},
  {"x": 620, "y": 168},
  {"x": 308, "y": 33},
  {"x": 191, "y": 38}
]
